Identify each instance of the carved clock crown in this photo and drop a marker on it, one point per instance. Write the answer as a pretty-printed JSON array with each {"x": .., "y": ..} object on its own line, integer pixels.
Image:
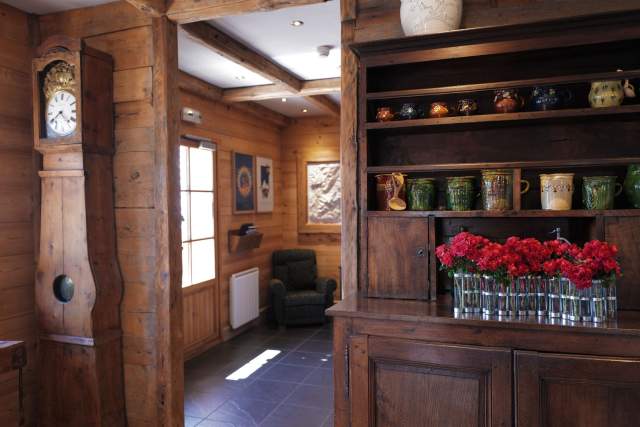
[{"x": 60, "y": 77}]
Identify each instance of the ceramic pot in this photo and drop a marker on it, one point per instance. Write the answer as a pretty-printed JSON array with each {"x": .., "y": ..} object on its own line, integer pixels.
[
  {"x": 610, "y": 93},
  {"x": 632, "y": 185},
  {"x": 430, "y": 16},
  {"x": 497, "y": 189},
  {"x": 550, "y": 98},
  {"x": 439, "y": 109},
  {"x": 385, "y": 188},
  {"x": 460, "y": 193},
  {"x": 556, "y": 191},
  {"x": 384, "y": 114},
  {"x": 598, "y": 192},
  {"x": 507, "y": 101},
  {"x": 467, "y": 107},
  {"x": 421, "y": 194},
  {"x": 409, "y": 111}
]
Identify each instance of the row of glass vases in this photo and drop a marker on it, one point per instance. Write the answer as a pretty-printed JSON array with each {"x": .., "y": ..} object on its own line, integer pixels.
[{"x": 556, "y": 298}]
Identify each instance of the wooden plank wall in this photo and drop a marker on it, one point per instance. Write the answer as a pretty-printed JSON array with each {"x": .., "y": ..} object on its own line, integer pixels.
[
  {"x": 18, "y": 191},
  {"x": 143, "y": 176},
  {"x": 234, "y": 130},
  {"x": 310, "y": 138}
]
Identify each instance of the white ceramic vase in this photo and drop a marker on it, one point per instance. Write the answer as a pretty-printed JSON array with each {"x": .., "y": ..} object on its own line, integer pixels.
[
  {"x": 556, "y": 191},
  {"x": 430, "y": 16}
]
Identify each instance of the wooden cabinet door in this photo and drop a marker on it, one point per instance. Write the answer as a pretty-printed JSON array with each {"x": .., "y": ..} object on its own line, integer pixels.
[
  {"x": 398, "y": 262},
  {"x": 395, "y": 382},
  {"x": 576, "y": 391}
]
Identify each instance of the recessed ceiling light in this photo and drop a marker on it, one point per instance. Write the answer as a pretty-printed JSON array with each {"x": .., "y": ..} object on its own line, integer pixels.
[
  {"x": 284, "y": 99},
  {"x": 304, "y": 110},
  {"x": 297, "y": 23}
]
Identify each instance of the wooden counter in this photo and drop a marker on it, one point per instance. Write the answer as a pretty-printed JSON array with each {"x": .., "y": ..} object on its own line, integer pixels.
[
  {"x": 13, "y": 356},
  {"x": 413, "y": 363}
]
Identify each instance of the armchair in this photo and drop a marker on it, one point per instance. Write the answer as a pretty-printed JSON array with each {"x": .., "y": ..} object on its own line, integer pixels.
[{"x": 298, "y": 295}]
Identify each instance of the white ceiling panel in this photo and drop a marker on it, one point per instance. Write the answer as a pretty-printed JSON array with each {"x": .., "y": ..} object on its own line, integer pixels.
[
  {"x": 200, "y": 61},
  {"x": 293, "y": 107},
  {"x": 272, "y": 34},
  {"x": 40, "y": 7}
]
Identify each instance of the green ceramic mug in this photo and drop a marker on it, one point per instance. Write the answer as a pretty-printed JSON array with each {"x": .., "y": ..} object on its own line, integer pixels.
[
  {"x": 598, "y": 192},
  {"x": 632, "y": 185},
  {"x": 421, "y": 194},
  {"x": 461, "y": 194}
]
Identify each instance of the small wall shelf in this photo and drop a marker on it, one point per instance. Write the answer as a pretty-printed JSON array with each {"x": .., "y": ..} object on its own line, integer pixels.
[{"x": 242, "y": 243}]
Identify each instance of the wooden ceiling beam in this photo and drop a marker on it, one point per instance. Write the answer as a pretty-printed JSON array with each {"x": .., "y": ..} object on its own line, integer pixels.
[
  {"x": 241, "y": 54},
  {"x": 155, "y": 8},
  {"x": 325, "y": 104},
  {"x": 260, "y": 93},
  {"x": 185, "y": 11},
  {"x": 195, "y": 86}
]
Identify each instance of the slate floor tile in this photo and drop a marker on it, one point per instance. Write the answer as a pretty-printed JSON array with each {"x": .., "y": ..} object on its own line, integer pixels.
[
  {"x": 287, "y": 373},
  {"x": 311, "y": 396},
  {"x": 243, "y": 412},
  {"x": 295, "y": 416},
  {"x": 272, "y": 391}
]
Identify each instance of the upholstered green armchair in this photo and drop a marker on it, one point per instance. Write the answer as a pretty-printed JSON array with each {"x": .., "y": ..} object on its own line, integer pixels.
[{"x": 298, "y": 295}]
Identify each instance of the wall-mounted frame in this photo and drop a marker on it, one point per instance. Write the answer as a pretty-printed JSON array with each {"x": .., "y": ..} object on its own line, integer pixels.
[
  {"x": 264, "y": 184},
  {"x": 319, "y": 195},
  {"x": 244, "y": 183}
]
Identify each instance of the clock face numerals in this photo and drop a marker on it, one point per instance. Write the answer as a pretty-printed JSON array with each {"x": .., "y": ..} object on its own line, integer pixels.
[{"x": 61, "y": 114}]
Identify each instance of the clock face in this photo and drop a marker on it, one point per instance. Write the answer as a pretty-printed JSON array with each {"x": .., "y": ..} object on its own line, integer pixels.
[{"x": 61, "y": 114}]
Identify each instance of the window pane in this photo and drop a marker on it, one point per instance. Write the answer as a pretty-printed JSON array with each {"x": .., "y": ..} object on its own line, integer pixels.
[
  {"x": 201, "y": 215},
  {"x": 184, "y": 168},
  {"x": 323, "y": 193},
  {"x": 202, "y": 261},
  {"x": 186, "y": 265},
  {"x": 201, "y": 169},
  {"x": 184, "y": 213}
]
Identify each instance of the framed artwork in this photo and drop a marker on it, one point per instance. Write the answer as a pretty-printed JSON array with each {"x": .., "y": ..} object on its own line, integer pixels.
[
  {"x": 264, "y": 184},
  {"x": 319, "y": 195},
  {"x": 244, "y": 193}
]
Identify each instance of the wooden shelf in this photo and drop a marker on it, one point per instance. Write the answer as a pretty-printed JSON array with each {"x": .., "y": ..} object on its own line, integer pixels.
[
  {"x": 577, "y": 213},
  {"x": 242, "y": 243},
  {"x": 528, "y": 116},
  {"x": 479, "y": 87},
  {"x": 541, "y": 164}
]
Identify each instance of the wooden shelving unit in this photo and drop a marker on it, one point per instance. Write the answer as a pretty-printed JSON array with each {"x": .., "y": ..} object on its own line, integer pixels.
[{"x": 533, "y": 213}]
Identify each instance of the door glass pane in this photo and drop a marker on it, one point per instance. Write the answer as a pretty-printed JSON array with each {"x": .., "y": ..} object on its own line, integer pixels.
[
  {"x": 184, "y": 168},
  {"x": 186, "y": 265},
  {"x": 184, "y": 213},
  {"x": 201, "y": 215},
  {"x": 201, "y": 169},
  {"x": 202, "y": 261}
]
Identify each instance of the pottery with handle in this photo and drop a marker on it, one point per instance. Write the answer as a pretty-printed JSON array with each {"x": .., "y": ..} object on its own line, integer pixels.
[{"x": 556, "y": 191}]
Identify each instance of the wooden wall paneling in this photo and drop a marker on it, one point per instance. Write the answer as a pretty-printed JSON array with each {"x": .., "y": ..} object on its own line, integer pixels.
[
  {"x": 310, "y": 139},
  {"x": 18, "y": 192}
]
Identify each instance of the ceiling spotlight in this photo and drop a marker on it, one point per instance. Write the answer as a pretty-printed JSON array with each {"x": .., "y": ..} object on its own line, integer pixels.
[
  {"x": 240, "y": 77},
  {"x": 304, "y": 110},
  {"x": 297, "y": 23},
  {"x": 284, "y": 99},
  {"x": 324, "y": 50}
]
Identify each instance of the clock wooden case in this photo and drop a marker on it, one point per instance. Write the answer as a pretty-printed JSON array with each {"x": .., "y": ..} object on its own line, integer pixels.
[{"x": 78, "y": 282}]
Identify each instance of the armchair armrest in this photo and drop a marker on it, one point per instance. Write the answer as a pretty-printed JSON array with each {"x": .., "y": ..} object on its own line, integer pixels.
[
  {"x": 277, "y": 287},
  {"x": 326, "y": 286}
]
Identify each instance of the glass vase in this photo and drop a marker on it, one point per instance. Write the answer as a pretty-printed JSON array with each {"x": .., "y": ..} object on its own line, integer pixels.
[
  {"x": 574, "y": 313},
  {"x": 554, "y": 292},
  {"x": 458, "y": 284},
  {"x": 521, "y": 302},
  {"x": 612, "y": 300},
  {"x": 537, "y": 296},
  {"x": 598, "y": 302},
  {"x": 472, "y": 293},
  {"x": 488, "y": 301},
  {"x": 502, "y": 298},
  {"x": 585, "y": 304},
  {"x": 565, "y": 300}
]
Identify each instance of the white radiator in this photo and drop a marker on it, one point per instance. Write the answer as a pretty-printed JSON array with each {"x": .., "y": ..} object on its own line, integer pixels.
[{"x": 244, "y": 297}]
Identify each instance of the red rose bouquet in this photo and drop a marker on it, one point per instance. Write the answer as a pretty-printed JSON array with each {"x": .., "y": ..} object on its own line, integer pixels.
[{"x": 462, "y": 253}]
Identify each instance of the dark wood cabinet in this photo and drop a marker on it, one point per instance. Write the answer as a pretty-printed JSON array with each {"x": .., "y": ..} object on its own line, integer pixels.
[
  {"x": 408, "y": 383},
  {"x": 398, "y": 258},
  {"x": 568, "y": 390}
]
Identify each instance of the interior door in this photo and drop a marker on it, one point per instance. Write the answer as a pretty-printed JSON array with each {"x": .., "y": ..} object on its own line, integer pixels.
[
  {"x": 569, "y": 390},
  {"x": 395, "y": 382},
  {"x": 398, "y": 261}
]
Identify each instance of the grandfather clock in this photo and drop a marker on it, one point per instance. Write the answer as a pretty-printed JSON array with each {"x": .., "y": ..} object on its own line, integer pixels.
[{"x": 78, "y": 282}]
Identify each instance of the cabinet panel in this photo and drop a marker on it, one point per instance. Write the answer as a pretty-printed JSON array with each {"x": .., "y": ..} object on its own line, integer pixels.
[
  {"x": 413, "y": 384},
  {"x": 398, "y": 262},
  {"x": 625, "y": 232},
  {"x": 563, "y": 390}
]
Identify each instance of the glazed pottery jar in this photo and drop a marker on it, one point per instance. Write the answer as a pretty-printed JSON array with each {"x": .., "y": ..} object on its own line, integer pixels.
[
  {"x": 556, "y": 191},
  {"x": 384, "y": 114},
  {"x": 497, "y": 189},
  {"x": 460, "y": 193},
  {"x": 632, "y": 185},
  {"x": 507, "y": 101},
  {"x": 430, "y": 16},
  {"x": 386, "y": 186},
  {"x": 606, "y": 94},
  {"x": 439, "y": 109},
  {"x": 409, "y": 111},
  {"x": 598, "y": 192},
  {"x": 467, "y": 107},
  {"x": 421, "y": 194},
  {"x": 550, "y": 98}
]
